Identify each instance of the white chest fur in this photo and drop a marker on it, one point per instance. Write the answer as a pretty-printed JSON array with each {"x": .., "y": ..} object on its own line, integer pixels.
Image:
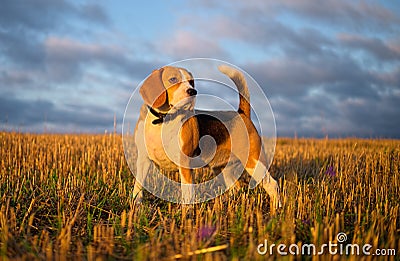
[{"x": 162, "y": 142}]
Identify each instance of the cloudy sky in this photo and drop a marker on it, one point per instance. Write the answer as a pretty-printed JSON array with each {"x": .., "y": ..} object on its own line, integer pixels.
[{"x": 328, "y": 67}]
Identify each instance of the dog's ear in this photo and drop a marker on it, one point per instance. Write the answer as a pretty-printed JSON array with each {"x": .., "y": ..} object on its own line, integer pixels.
[{"x": 153, "y": 91}]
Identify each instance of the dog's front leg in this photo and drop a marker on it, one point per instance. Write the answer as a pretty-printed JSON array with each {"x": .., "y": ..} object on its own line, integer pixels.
[
  {"x": 186, "y": 185},
  {"x": 189, "y": 140},
  {"x": 143, "y": 165}
]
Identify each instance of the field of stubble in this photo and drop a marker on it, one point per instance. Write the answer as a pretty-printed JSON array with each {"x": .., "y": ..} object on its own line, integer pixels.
[{"x": 68, "y": 196}]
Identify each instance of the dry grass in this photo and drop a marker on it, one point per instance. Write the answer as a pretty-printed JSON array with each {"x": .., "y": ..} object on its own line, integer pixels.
[{"x": 68, "y": 196}]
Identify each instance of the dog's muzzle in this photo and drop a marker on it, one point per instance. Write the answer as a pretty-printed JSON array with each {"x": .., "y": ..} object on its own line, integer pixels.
[{"x": 191, "y": 91}]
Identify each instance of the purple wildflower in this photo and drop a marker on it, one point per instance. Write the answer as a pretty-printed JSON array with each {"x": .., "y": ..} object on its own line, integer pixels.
[
  {"x": 306, "y": 221},
  {"x": 330, "y": 171},
  {"x": 206, "y": 232}
]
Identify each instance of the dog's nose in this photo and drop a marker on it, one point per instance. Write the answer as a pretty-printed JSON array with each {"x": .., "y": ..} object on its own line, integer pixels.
[{"x": 191, "y": 91}]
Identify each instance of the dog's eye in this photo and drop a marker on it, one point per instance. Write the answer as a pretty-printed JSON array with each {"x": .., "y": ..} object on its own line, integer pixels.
[
  {"x": 173, "y": 80},
  {"x": 191, "y": 82}
]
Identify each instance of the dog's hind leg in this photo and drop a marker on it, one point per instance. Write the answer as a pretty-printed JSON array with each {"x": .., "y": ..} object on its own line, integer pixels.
[
  {"x": 260, "y": 174},
  {"x": 256, "y": 167}
]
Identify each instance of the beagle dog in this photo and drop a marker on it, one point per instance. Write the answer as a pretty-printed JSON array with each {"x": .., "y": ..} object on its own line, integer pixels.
[{"x": 169, "y": 99}]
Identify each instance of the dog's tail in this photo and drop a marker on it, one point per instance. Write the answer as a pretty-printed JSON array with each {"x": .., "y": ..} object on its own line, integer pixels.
[{"x": 240, "y": 81}]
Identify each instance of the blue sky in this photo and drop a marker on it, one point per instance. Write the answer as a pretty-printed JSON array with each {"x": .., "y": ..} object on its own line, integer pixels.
[{"x": 328, "y": 67}]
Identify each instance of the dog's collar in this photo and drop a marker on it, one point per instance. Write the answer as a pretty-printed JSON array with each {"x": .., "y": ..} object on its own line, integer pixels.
[{"x": 161, "y": 117}]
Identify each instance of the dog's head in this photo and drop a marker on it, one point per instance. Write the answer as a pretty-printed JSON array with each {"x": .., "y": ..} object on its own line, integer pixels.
[{"x": 168, "y": 87}]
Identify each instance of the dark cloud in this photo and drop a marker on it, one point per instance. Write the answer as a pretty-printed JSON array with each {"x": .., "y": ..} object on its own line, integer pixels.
[
  {"x": 38, "y": 42},
  {"x": 95, "y": 13},
  {"x": 260, "y": 23},
  {"x": 21, "y": 52},
  {"x": 298, "y": 76},
  {"x": 390, "y": 78},
  {"x": 37, "y": 15},
  {"x": 374, "y": 46},
  {"x": 262, "y": 32},
  {"x": 308, "y": 115},
  {"x": 373, "y": 118},
  {"x": 45, "y": 15},
  {"x": 12, "y": 79},
  {"x": 330, "y": 96},
  {"x": 66, "y": 59},
  {"x": 25, "y": 24},
  {"x": 322, "y": 115},
  {"x": 354, "y": 15},
  {"x": 19, "y": 113}
]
